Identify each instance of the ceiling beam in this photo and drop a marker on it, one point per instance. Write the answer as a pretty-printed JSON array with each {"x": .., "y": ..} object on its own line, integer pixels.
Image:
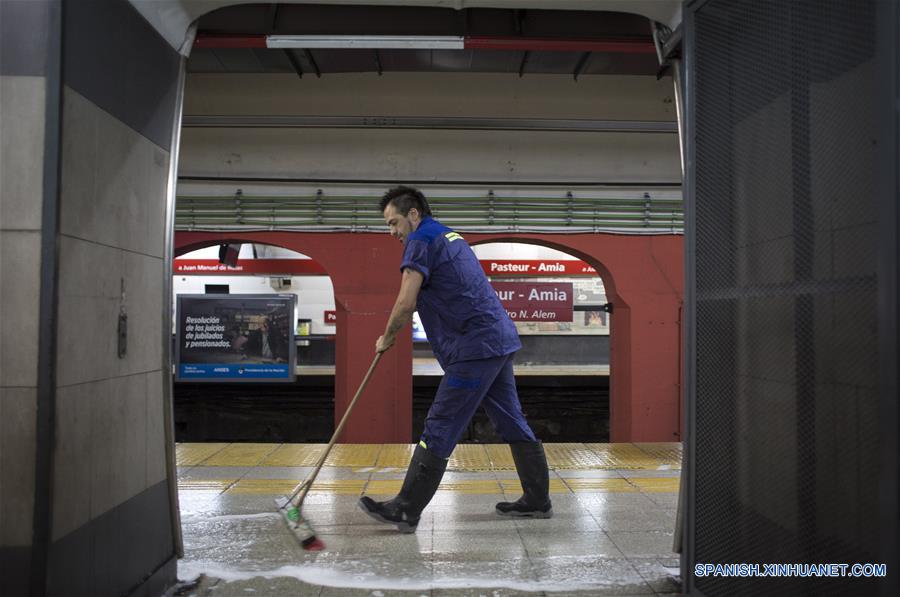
[
  {"x": 433, "y": 42},
  {"x": 552, "y": 44}
]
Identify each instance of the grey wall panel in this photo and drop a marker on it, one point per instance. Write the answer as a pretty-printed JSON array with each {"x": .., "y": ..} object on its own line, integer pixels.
[
  {"x": 432, "y": 154},
  {"x": 14, "y": 567},
  {"x": 115, "y": 59},
  {"x": 23, "y": 37},
  {"x": 114, "y": 180},
  {"x": 783, "y": 402},
  {"x": 482, "y": 95},
  {"x": 110, "y": 555},
  {"x": 20, "y": 259},
  {"x": 111, "y": 519},
  {"x": 441, "y": 155},
  {"x": 18, "y": 407},
  {"x": 888, "y": 193},
  {"x": 22, "y": 114}
]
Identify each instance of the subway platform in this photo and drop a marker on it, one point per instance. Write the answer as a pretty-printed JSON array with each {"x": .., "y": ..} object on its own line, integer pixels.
[{"x": 611, "y": 533}]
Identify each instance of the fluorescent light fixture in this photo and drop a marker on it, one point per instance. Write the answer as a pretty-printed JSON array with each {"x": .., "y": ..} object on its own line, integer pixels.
[{"x": 371, "y": 42}]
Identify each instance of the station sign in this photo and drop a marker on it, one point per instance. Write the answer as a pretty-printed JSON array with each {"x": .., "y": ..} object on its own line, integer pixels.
[
  {"x": 240, "y": 337},
  {"x": 308, "y": 267},
  {"x": 270, "y": 267},
  {"x": 536, "y": 301},
  {"x": 537, "y": 267}
]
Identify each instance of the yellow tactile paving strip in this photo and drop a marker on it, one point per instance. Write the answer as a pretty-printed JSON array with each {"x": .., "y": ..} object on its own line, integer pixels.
[
  {"x": 194, "y": 454},
  {"x": 395, "y": 455},
  {"x": 393, "y": 458},
  {"x": 466, "y": 457},
  {"x": 392, "y": 486},
  {"x": 666, "y": 453},
  {"x": 656, "y": 484},
  {"x": 469, "y": 457},
  {"x": 219, "y": 485},
  {"x": 629, "y": 456},
  {"x": 500, "y": 456},
  {"x": 295, "y": 455},
  {"x": 573, "y": 456},
  {"x": 240, "y": 455}
]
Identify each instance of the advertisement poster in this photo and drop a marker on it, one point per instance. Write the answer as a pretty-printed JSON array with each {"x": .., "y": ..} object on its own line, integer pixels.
[{"x": 239, "y": 337}]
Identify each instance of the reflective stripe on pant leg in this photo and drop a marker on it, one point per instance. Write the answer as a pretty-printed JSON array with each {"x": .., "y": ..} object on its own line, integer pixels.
[
  {"x": 461, "y": 391},
  {"x": 501, "y": 402}
]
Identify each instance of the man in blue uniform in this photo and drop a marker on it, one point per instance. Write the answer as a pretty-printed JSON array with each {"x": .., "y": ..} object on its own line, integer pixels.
[{"x": 474, "y": 341}]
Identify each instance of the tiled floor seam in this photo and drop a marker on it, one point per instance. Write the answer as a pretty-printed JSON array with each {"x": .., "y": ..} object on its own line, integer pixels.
[{"x": 531, "y": 564}]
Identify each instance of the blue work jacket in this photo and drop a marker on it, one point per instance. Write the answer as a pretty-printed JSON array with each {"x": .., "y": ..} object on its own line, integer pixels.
[{"x": 460, "y": 311}]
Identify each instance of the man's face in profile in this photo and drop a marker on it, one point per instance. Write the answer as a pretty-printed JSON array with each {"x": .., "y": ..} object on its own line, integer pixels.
[{"x": 401, "y": 226}]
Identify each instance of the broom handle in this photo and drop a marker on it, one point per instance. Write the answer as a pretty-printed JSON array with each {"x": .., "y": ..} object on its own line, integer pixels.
[{"x": 304, "y": 488}]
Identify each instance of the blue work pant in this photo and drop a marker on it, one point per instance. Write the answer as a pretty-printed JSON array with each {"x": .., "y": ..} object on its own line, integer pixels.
[{"x": 465, "y": 386}]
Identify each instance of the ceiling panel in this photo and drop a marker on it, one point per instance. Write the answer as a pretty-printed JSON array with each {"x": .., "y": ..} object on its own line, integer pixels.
[{"x": 310, "y": 19}]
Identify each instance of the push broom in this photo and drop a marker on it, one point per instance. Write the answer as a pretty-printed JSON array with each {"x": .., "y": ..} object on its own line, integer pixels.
[{"x": 290, "y": 509}]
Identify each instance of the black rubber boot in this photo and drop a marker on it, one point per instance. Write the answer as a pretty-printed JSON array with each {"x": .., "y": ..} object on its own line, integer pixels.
[
  {"x": 422, "y": 479},
  {"x": 531, "y": 464}
]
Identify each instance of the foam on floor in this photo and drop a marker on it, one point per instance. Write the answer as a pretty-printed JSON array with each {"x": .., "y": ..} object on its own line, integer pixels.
[{"x": 364, "y": 579}]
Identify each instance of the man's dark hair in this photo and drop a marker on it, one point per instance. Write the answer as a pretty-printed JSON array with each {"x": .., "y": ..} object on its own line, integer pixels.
[{"x": 404, "y": 199}]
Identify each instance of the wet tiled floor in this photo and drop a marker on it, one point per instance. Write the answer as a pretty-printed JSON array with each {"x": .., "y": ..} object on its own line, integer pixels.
[{"x": 611, "y": 534}]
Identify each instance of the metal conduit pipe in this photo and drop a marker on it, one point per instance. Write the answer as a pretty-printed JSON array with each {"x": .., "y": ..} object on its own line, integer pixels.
[
  {"x": 624, "y": 219},
  {"x": 679, "y": 109},
  {"x": 429, "y": 183},
  {"x": 168, "y": 252},
  {"x": 286, "y": 199},
  {"x": 430, "y": 123},
  {"x": 442, "y": 215},
  {"x": 663, "y": 51},
  {"x": 338, "y": 208},
  {"x": 471, "y": 230}
]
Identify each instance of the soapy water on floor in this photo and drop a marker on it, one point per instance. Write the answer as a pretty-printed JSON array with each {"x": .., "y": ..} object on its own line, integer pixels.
[
  {"x": 224, "y": 517},
  {"x": 313, "y": 574},
  {"x": 210, "y": 552}
]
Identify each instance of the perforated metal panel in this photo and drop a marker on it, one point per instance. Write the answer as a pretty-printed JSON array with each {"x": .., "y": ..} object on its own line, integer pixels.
[{"x": 785, "y": 238}]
